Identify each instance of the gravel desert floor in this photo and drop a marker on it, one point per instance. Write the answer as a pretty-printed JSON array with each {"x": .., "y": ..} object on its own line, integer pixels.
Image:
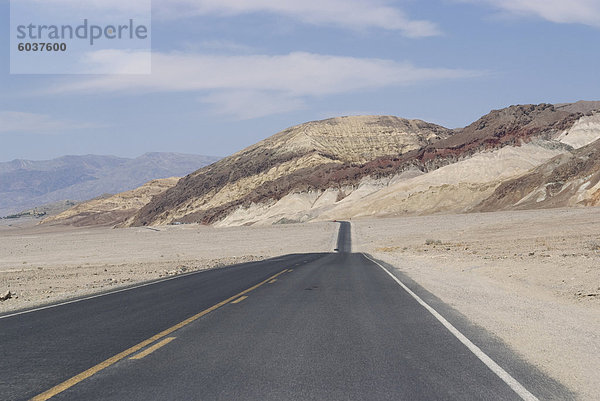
[
  {"x": 43, "y": 264},
  {"x": 531, "y": 278}
]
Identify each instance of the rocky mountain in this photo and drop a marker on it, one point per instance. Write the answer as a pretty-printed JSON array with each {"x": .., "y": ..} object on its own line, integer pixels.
[
  {"x": 26, "y": 184},
  {"x": 524, "y": 156},
  {"x": 298, "y": 159}
]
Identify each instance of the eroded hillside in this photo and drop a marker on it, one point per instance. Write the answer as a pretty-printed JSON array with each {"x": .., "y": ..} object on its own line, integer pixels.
[
  {"x": 364, "y": 166},
  {"x": 526, "y": 156},
  {"x": 570, "y": 179},
  {"x": 299, "y": 158}
]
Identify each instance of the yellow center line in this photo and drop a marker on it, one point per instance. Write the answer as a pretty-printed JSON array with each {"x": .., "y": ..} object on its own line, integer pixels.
[
  {"x": 290, "y": 270},
  {"x": 240, "y": 299},
  {"x": 111, "y": 361},
  {"x": 150, "y": 350},
  {"x": 272, "y": 281}
]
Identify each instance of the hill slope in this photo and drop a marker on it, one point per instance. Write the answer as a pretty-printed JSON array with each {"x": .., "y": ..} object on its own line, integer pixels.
[
  {"x": 25, "y": 184},
  {"x": 284, "y": 162}
]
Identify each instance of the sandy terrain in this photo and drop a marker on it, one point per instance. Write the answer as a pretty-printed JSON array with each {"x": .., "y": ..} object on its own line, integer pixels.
[
  {"x": 532, "y": 278},
  {"x": 44, "y": 264}
]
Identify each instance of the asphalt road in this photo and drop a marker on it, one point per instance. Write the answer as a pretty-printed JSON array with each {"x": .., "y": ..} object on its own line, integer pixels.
[{"x": 332, "y": 326}]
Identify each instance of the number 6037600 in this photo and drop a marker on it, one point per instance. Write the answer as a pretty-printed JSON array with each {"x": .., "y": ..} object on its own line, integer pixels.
[{"x": 42, "y": 47}]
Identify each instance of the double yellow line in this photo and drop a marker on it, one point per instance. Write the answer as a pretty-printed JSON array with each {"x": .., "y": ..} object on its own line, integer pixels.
[{"x": 111, "y": 361}]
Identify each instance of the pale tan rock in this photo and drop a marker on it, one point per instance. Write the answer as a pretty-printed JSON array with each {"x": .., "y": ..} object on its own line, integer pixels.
[{"x": 113, "y": 209}]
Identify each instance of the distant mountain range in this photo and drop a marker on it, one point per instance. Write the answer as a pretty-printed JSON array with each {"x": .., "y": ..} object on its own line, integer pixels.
[{"x": 26, "y": 184}]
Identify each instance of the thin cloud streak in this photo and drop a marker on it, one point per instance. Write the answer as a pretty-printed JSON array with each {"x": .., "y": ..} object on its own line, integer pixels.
[
  {"x": 586, "y": 12},
  {"x": 349, "y": 14},
  {"x": 297, "y": 73},
  {"x": 32, "y": 123}
]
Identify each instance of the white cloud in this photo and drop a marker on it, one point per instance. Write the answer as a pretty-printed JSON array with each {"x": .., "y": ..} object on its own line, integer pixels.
[
  {"x": 297, "y": 74},
  {"x": 16, "y": 121},
  {"x": 585, "y": 12},
  {"x": 240, "y": 84},
  {"x": 353, "y": 14},
  {"x": 113, "y": 61}
]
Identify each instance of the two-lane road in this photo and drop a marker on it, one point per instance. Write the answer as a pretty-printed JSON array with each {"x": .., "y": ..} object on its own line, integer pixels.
[{"x": 331, "y": 326}]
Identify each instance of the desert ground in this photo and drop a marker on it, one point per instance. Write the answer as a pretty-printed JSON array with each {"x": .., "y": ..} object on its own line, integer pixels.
[{"x": 531, "y": 278}]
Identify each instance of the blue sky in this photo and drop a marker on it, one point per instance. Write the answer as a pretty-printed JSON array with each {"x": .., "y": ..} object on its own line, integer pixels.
[{"x": 227, "y": 73}]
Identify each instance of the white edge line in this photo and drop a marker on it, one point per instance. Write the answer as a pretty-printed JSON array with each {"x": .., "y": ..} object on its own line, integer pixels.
[
  {"x": 489, "y": 362},
  {"x": 99, "y": 295}
]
